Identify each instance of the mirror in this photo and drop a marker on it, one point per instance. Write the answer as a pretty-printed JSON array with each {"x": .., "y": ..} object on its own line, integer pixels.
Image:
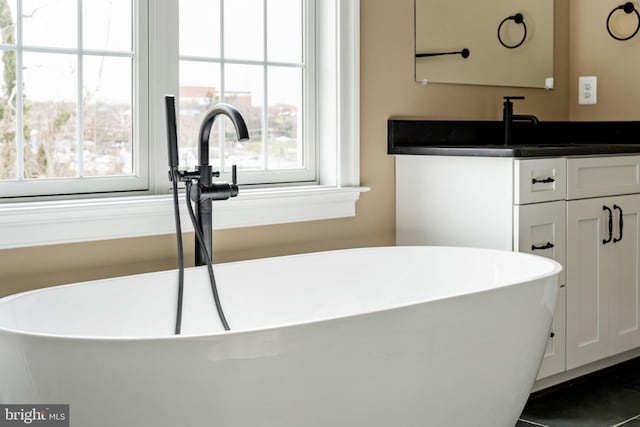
[{"x": 493, "y": 42}]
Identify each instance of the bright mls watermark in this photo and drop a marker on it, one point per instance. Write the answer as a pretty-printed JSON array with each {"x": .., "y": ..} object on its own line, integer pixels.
[{"x": 34, "y": 415}]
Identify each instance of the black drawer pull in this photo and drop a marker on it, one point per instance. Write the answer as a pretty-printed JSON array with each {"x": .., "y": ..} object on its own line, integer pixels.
[
  {"x": 605, "y": 241},
  {"x": 543, "y": 181},
  {"x": 552, "y": 334},
  {"x": 620, "y": 224},
  {"x": 548, "y": 245}
]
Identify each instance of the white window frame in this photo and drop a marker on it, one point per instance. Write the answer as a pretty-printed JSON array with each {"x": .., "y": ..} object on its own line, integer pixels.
[
  {"x": 139, "y": 179},
  {"x": 308, "y": 173},
  {"x": 45, "y": 222}
]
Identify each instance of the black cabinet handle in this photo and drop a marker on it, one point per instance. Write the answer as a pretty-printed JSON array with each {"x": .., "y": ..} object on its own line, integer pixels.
[
  {"x": 542, "y": 181},
  {"x": 605, "y": 241},
  {"x": 552, "y": 334},
  {"x": 620, "y": 224},
  {"x": 548, "y": 245}
]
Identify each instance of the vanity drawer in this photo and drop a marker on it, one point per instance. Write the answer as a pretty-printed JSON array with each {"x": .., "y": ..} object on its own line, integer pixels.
[
  {"x": 540, "y": 180},
  {"x": 602, "y": 176},
  {"x": 540, "y": 229}
]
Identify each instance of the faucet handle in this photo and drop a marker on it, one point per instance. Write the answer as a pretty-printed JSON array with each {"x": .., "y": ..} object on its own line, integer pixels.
[
  {"x": 234, "y": 181},
  {"x": 509, "y": 98}
]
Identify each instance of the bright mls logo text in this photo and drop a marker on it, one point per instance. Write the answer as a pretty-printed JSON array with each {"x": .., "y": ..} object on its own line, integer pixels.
[{"x": 36, "y": 415}]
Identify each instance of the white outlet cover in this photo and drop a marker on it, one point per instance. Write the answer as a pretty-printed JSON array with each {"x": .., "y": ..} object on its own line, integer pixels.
[
  {"x": 587, "y": 90},
  {"x": 548, "y": 83}
]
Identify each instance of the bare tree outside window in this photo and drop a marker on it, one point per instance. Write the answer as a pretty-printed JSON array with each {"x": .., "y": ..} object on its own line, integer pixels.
[
  {"x": 75, "y": 100},
  {"x": 8, "y": 93}
]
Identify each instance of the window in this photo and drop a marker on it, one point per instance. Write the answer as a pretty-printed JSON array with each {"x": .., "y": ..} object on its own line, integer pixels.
[
  {"x": 71, "y": 97},
  {"x": 291, "y": 68},
  {"x": 259, "y": 62}
]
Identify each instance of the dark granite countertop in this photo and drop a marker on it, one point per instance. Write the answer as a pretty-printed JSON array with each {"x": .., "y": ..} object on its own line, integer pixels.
[{"x": 482, "y": 138}]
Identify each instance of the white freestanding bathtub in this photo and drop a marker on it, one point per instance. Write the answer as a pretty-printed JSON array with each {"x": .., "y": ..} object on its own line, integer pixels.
[{"x": 399, "y": 336}]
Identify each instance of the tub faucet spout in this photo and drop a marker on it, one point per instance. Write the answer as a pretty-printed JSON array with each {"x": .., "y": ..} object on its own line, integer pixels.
[
  {"x": 199, "y": 183},
  {"x": 206, "y": 191}
]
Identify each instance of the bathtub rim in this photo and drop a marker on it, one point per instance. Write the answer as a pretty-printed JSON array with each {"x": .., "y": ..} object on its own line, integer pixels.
[{"x": 557, "y": 268}]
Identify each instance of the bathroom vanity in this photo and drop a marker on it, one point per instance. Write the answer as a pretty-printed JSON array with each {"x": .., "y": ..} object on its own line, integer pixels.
[{"x": 576, "y": 202}]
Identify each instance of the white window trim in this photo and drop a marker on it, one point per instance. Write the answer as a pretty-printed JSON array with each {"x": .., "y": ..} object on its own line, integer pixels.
[
  {"x": 25, "y": 224},
  {"x": 71, "y": 221}
]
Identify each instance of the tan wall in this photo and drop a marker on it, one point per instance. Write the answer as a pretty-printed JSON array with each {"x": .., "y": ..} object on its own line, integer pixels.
[
  {"x": 616, "y": 63},
  {"x": 387, "y": 90}
]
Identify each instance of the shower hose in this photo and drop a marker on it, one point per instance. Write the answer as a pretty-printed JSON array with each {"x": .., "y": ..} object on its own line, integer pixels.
[{"x": 200, "y": 239}]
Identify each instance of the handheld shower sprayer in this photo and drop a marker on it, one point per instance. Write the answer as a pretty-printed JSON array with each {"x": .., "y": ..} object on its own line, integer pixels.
[{"x": 172, "y": 132}]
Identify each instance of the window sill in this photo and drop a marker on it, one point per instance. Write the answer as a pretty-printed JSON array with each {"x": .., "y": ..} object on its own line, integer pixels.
[{"x": 48, "y": 223}]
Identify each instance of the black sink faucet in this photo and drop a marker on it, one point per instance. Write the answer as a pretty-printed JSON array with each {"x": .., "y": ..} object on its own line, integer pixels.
[{"x": 508, "y": 117}]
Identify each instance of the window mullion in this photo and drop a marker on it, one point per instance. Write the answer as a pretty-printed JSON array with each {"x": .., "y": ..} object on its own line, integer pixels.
[
  {"x": 265, "y": 112},
  {"x": 310, "y": 155},
  {"x": 19, "y": 138},
  {"x": 79, "y": 97},
  {"x": 161, "y": 36},
  {"x": 223, "y": 88}
]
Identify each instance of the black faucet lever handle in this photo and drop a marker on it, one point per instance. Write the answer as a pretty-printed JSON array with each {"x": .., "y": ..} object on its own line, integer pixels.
[
  {"x": 509, "y": 98},
  {"x": 234, "y": 181}
]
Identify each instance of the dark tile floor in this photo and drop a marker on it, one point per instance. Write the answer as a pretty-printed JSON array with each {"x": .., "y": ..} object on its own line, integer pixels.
[{"x": 609, "y": 398}]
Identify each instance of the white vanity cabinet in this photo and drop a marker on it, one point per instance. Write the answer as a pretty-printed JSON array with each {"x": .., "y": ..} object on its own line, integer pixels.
[{"x": 550, "y": 207}]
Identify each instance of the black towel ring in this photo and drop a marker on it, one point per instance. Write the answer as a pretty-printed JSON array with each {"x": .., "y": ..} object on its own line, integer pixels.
[
  {"x": 628, "y": 7},
  {"x": 518, "y": 19}
]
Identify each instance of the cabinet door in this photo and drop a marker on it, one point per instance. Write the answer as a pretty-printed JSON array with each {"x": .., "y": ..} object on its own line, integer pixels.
[
  {"x": 554, "y": 360},
  {"x": 623, "y": 256},
  {"x": 587, "y": 290},
  {"x": 540, "y": 229}
]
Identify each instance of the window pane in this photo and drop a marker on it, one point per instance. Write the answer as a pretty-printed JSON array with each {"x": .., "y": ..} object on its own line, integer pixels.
[
  {"x": 245, "y": 91},
  {"x": 50, "y": 88},
  {"x": 108, "y": 142},
  {"x": 200, "y": 28},
  {"x": 8, "y": 21},
  {"x": 50, "y": 23},
  {"x": 7, "y": 120},
  {"x": 284, "y": 31},
  {"x": 107, "y": 24},
  {"x": 243, "y": 32},
  {"x": 199, "y": 91},
  {"x": 285, "y": 118}
]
